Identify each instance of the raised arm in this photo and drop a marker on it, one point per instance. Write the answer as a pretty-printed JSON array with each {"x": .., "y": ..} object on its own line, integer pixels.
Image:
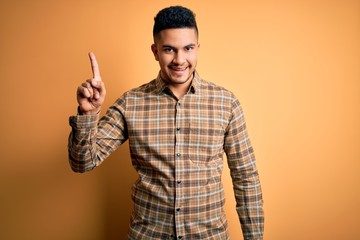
[{"x": 82, "y": 147}]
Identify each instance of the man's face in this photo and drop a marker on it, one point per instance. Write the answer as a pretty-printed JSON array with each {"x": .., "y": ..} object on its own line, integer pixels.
[{"x": 176, "y": 50}]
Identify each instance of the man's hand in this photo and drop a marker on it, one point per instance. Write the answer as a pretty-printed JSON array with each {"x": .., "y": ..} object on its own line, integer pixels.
[{"x": 91, "y": 94}]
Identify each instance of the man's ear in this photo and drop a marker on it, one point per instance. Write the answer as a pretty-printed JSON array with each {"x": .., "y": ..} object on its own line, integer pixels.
[{"x": 155, "y": 51}]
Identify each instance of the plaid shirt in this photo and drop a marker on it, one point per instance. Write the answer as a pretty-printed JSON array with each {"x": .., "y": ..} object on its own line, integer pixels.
[{"x": 176, "y": 146}]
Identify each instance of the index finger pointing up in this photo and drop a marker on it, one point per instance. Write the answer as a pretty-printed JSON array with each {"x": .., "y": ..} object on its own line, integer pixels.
[{"x": 94, "y": 67}]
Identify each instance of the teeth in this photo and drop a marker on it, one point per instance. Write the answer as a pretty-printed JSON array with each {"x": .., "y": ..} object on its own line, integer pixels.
[{"x": 179, "y": 69}]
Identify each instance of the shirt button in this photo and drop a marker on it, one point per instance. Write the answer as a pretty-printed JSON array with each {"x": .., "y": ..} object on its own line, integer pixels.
[
  {"x": 178, "y": 209},
  {"x": 178, "y": 182},
  {"x": 178, "y": 154},
  {"x": 178, "y": 129},
  {"x": 179, "y": 237}
]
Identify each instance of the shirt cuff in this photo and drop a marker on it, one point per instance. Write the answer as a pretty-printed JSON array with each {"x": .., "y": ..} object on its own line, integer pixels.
[{"x": 84, "y": 121}]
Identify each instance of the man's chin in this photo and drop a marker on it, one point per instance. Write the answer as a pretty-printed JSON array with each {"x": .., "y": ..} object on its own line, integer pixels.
[{"x": 181, "y": 79}]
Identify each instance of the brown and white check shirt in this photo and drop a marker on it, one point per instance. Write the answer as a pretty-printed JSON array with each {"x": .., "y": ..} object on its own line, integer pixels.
[{"x": 177, "y": 148}]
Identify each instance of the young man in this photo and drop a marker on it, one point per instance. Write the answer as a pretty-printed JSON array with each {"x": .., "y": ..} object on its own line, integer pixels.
[{"x": 178, "y": 127}]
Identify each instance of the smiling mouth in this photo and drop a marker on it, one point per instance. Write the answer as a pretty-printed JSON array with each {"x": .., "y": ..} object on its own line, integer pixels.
[{"x": 178, "y": 69}]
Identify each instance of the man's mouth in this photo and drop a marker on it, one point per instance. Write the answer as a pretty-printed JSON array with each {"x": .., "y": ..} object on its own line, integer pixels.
[{"x": 178, "y": 69}]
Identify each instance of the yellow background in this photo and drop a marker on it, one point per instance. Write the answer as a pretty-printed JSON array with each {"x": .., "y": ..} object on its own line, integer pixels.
[{"x": 294, "y": 65}]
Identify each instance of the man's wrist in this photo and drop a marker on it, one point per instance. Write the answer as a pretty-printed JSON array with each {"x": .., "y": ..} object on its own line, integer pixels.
[{"x": 95, "y": 112}]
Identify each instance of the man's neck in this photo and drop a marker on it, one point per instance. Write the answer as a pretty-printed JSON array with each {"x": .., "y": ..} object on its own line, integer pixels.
[{"x": 179, "y": 90}]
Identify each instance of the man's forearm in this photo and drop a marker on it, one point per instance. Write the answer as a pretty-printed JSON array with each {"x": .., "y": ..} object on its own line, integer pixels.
[{"x": 82, "y": 143}]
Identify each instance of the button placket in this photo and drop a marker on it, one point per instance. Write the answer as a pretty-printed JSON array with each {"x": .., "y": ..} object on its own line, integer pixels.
[{"x": 178, "y": 170}]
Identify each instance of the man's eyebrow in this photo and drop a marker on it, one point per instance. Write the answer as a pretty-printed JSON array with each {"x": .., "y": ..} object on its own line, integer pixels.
[
  {"x": 167, "y": 46},
  {"x": 190, "y": 45},
  {"x": 172, "y": 47}
]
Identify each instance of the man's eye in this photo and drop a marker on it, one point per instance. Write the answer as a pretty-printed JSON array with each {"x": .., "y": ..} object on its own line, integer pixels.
[
  {"x": 189, "y": 48},
  {"x": 168, "y": 50}
]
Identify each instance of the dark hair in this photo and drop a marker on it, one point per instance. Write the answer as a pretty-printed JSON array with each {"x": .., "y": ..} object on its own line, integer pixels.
[{"x": 174, "y": 17}]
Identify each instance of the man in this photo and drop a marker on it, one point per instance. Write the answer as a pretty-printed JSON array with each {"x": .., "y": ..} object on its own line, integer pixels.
[{"x": 178, "y": 127}]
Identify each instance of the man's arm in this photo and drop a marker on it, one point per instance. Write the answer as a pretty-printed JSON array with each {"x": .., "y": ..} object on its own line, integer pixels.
[
  {"x": 81, "y": 143},
  {"x": 244, "y": 174}
]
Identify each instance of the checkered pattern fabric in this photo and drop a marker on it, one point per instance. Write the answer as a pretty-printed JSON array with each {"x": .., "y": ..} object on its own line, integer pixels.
[{"x": 177, "y": 148}]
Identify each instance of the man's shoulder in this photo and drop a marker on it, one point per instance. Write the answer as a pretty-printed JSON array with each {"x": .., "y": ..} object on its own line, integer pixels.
[
  {"x": 212, "y": 87},
  {"x": 140, "y": 92},
  {"x": 143, "y": 89}
]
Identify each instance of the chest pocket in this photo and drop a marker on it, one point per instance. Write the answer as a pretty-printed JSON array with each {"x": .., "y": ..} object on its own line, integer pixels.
[{"x": 206, "y": 139}]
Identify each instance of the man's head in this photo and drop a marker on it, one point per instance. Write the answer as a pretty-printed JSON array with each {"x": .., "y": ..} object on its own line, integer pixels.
[
  {"x": 174, "y": 17},
  {"x": 176, "y": 46}
]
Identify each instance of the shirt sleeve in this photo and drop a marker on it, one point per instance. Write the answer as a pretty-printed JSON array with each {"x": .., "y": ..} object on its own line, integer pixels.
[
  {"x": 244, "y": 174},
  {"x": 92, "y": 139}
]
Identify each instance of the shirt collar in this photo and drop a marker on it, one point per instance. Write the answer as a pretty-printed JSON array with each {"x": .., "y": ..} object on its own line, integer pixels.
[{"x": 194, "y": 87}]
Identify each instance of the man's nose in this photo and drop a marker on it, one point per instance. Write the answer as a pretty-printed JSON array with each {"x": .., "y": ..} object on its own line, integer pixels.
[{"x": 179, "y": 58}]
